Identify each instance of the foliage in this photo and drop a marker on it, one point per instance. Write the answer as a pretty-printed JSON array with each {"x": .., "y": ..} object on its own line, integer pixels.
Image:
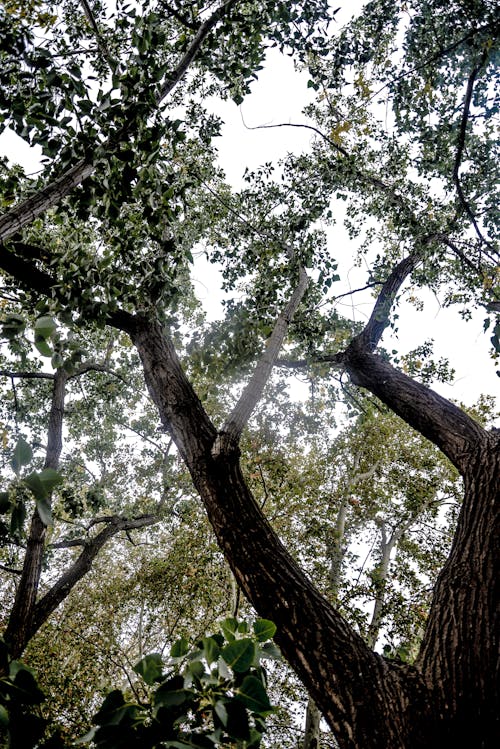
[{"x": 214, "y": 694}]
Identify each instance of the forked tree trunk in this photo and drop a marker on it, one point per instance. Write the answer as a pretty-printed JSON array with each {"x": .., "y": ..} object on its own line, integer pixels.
[{"x": 370, "y": 703}]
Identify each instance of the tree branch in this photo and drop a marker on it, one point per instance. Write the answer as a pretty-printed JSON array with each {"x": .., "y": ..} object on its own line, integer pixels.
[
  {"x": 21, "y": 616},
  {"x": 99, "y": 39},
  {"x": 27, "y": 375},
  {"x": 461, "y": 144},
  {"x": 60, "y": 590},
  {"x": 47, "y": 197},
  {"x": 230, "y": 433},
  {"x": 379, "y": 318}
]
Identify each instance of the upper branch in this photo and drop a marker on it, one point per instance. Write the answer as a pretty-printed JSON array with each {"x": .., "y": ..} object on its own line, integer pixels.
[
  {"x": 379, "y": 317},
  {"x": 233, "y": 427},
  {"x": 461, "y": 143},
  {"x": 50, "y": 195}
]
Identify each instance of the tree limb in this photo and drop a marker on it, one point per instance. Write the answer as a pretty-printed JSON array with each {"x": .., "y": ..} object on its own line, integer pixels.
[
  {"x": 47, "y": 197},
  {"x": 27, "y": 375},
  {"x": 461, "y": 144},
  {"x": 231, "y": 431},
  {"x": 21, "y": 616},
  {"x": 81, "y": 566}
]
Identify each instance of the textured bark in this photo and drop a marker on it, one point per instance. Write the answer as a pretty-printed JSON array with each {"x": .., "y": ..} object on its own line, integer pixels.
[
  {"x": 352, "y": 686},
  {"x": 459, "y": 654},
  {"x": 312, "y": 731},
  {"x": 21, "y": 617}
]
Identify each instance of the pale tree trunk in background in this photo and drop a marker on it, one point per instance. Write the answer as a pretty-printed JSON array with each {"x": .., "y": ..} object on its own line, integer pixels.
[{"x": 382, "y": 572}]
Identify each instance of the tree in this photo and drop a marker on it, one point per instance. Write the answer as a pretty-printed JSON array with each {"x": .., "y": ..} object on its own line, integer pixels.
[{"x": 105, "y": 237}]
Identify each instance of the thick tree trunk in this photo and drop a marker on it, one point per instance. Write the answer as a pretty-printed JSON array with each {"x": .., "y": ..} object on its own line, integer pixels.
[
  {"x": 459, "y": 654},
  {"x": 367, "y": 701}
]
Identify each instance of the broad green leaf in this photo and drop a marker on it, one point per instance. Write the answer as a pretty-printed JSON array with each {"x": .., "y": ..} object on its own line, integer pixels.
[
  {"x": 50, "y": 478},
  {"x": 149, "y": 668},
  {"x": 221, "y": 712},
  {"x": 179, "y": 648},
  {"x": 237, "y": 721},
  {"x": 45, "y": 326},
  {"x": 264, "y": 629},
  {"x": 44, "y": 510},
  {"x": 229, "y": 627},
  {"x": 23, "y": 454},
  {"x": 57, "y": 361},
  {"x": 35, "y": 483},
  {"x": 252, "y": 694},
  {"x": 270, "y": 650},
  {"x": 43, "y": 347},
  {"x": 172, "y": 693},
  {"x": 239, "y": 654},
  {"x": 211, "y": 649}
]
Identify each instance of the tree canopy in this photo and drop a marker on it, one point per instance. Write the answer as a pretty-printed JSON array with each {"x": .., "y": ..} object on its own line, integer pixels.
[{"x": 123, "y": 408}]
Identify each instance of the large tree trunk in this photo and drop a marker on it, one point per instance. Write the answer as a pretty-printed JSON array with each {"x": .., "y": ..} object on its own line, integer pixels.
[
  {"x": 352, "y": 686},
  {"x": 369, "y": 702},
  {"x": 460, "y": 652}
]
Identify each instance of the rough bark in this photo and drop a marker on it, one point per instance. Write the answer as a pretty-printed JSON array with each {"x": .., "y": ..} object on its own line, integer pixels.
[
  {"x": 21, "y": 617},
  {"x": 352, "y": 685}
]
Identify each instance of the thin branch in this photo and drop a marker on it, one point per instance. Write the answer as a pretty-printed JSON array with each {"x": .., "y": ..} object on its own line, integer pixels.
[
  {"x": 99, "y": 38},
  {"x": 26, "y": 375},
  {"x": 11, "y": 570},
  {"x": 461, "y": 145}
]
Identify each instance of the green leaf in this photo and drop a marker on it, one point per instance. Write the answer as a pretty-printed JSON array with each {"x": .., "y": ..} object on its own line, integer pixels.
[
  {"x": 50, "y": 478},
  {"x": 44, "y": 510},
  {"x": 237, "y": 724},
  {"x": 34, "y": 482},
  {"x": 239, "y": 654},
  {"x": 150, "y": 668},
  {"x": 172, "y": 692},
  {"x": 221, "y": 712},
  {"x": 270, "y": 650},
  {"x": 264, "y": 629},
  {"x": 43, "y": 347},
  {"x": 229, "y": 627},
  {"x": 23, "y": 454},
  {"x": 57, "y": 361},
  {"x": 211, "y": 649},
  {"x": 253, "y": 695},
  {"x": 179, "y": 648},
  {"x": 45, "y": 327}
]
